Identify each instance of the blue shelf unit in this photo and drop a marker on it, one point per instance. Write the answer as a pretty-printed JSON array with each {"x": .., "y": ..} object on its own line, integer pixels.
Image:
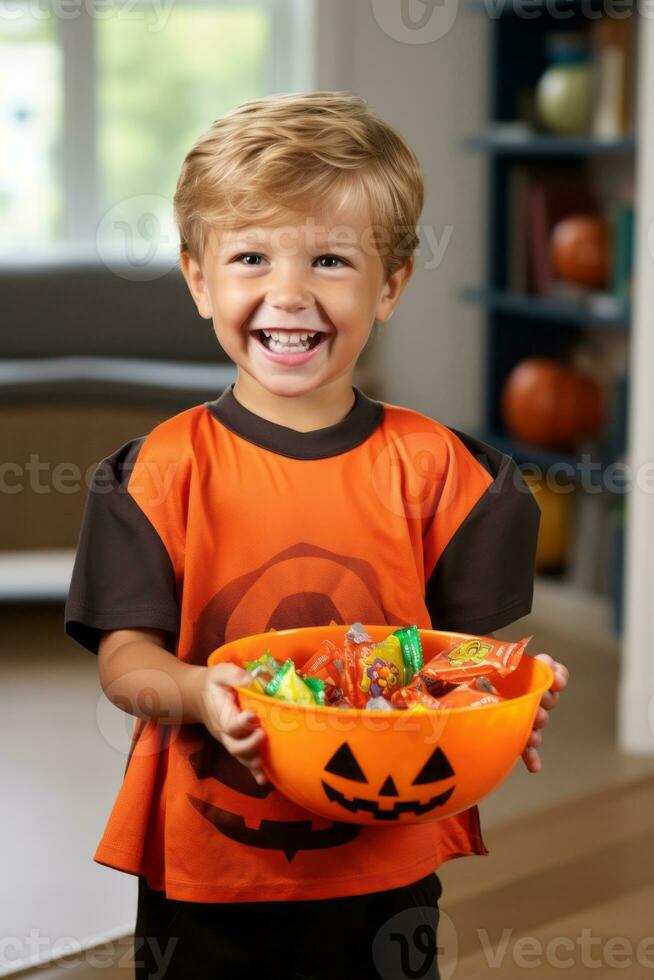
[{"x": 524, "y": 325}]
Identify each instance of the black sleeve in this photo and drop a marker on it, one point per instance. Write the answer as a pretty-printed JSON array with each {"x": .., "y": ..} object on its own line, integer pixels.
[
  {"x": 123, "y": 577},
  {"x": 484, "y": 579}
]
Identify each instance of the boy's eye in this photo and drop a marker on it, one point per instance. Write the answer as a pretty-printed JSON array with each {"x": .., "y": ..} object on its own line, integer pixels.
[
  {"x": 257, "y": 255},
  {"x": 334, "y": 258}
]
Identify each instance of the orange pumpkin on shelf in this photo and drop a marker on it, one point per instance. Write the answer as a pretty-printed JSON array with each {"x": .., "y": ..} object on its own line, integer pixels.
[
  {"x": 580, "y": 251},
  {"x": 550, "y": 404}
]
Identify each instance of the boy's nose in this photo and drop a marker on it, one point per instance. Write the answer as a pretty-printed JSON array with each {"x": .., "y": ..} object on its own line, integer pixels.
[{"x": 290, "y": 293}]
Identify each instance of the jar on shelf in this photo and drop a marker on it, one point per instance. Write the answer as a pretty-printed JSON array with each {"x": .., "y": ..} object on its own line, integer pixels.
[{"x": 564, "y": 92}]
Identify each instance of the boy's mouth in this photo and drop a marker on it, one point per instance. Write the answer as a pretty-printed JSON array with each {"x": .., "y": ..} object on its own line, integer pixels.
[{"x": 290, "y": 341}]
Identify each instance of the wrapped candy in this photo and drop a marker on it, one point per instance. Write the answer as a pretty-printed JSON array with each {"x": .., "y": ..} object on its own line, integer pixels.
[
  {"x": 335, "y": 697},
  {"x": 409, "y": 637},
  {"x": 436, "y": 694},
  {"x": 263, "y": 669},
  {"x": 287, "y": 685},
  {"x": 390, "y": 675},
  {"x": 472, "y": 658},
  {"x": 416, "y": 708},
  {"x": 410, "y": 696},
  {"x": 375, "y": 670},
  {"x": 317, "y": 688},
  {"x": 378, "y": 704},
  {"x": 421, "y": 688},
  {"x": 467, "y": 696},
  {"x": 460, "y": 696},
  {"x": 327, "y": 665}
]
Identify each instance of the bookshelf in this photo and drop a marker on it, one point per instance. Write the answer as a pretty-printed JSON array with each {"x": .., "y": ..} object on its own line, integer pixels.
[
  {"x": 525, "y": 144},
  {"x": 611, "y": 312},
  {"x": 522, "y": 318}
]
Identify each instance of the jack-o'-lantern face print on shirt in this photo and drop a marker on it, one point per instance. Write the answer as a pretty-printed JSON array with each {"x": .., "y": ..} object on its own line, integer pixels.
[
  {"x": 289, "y": 588},
  {"x": 220, "y": 524}
]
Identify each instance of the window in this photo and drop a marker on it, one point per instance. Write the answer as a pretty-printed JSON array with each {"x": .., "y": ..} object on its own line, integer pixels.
[
  {"x": 31, "y": 115},
  {"x": 99, "y": 104}
]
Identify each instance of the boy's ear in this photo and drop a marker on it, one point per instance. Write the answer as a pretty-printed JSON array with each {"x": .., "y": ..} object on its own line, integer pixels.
[
  {"x": 393, "y": 289},
  {"x": 197, "y": 284}
]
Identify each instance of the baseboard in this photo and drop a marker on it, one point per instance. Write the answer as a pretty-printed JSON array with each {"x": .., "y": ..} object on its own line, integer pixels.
[{"x": 67, "y": 965}]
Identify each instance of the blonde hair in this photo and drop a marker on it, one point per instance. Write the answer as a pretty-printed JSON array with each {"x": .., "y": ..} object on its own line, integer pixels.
[{"x": 295, "y": 154}]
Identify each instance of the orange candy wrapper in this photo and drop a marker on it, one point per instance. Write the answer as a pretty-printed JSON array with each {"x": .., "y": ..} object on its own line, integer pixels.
[
  {"x": 453, "y": 678},
  {"x": 472, "y": 694},
  {"x": 327, "y": 665},
  {"x": 479, "y": 657}
]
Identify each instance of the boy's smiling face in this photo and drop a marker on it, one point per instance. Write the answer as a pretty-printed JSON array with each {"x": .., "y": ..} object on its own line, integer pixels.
[{"x": 317, "y": 275}]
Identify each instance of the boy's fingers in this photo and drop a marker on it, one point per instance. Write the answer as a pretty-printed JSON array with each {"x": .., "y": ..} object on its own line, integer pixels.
[
  {"x": 230, "y": 674},
  {"x": 560, "y": 671},
  {"x": 240, "y": 724},
  {"x": 550, "y": 700},
  {"x": 542, "y": 718},
  {"x": 531, "y": 759},
  {"x": 244, "y": 748},
  {"x": 535, "y": 739},
  {"x": 258, "y": 773}
]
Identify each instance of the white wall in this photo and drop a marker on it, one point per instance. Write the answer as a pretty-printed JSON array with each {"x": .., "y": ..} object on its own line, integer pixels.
[
  {"x": 636, "y": 702},
  {"x": 64, "y": 753},
  {"x": 430, "y": 353}
]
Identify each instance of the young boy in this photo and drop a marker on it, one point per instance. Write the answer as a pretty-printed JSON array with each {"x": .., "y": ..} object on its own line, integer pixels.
[{"x": 291, "y": 500}]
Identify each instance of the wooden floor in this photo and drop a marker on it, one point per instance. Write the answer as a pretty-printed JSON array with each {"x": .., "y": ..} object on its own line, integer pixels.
[{"x": 572, "y": 885}]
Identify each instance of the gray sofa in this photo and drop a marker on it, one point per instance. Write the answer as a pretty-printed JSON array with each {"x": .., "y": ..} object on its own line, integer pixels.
[{"x": 76, "y": 329}]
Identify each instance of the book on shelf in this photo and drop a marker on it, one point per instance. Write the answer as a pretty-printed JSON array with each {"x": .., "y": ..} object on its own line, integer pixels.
[
  {"x": 623, "y": 250},
  {"x": 518, "y": 270},
  {"x": 613, "y": 58}
]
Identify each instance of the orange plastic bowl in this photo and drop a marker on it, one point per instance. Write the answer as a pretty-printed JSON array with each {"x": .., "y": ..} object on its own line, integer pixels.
[{"x": 371, "y": 767}]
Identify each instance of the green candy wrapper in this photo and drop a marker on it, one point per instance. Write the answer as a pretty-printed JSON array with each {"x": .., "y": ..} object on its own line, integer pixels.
[
  {"x": 263, "y": 669},
  {"x": 317, "y": 687},
  {"x": 409, "y": 637},
  {"x": 287, "y": 685}
]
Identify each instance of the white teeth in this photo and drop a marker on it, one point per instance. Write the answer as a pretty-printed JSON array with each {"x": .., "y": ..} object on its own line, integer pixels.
[{"x": 287, "y": 338}]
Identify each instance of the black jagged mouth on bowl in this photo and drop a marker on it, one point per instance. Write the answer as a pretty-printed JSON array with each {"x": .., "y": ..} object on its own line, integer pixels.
[{"x": 357, "y": 805}]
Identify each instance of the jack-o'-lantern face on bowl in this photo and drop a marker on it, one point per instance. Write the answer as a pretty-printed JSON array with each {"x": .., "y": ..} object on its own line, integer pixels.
[
  {"x": 432, "y": 787},
  {"x": 371, "y": 767}
]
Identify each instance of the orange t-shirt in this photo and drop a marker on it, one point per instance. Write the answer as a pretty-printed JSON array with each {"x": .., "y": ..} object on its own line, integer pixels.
[{"x": 220, "y": 524}]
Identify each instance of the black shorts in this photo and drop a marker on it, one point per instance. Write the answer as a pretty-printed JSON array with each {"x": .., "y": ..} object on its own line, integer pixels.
[{"x": 389, "y": 935}]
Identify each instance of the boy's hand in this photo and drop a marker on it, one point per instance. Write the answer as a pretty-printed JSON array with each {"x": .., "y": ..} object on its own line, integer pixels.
[
  {"x": 239, "y": 731},
  {"x": 548, "y": 701}
]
